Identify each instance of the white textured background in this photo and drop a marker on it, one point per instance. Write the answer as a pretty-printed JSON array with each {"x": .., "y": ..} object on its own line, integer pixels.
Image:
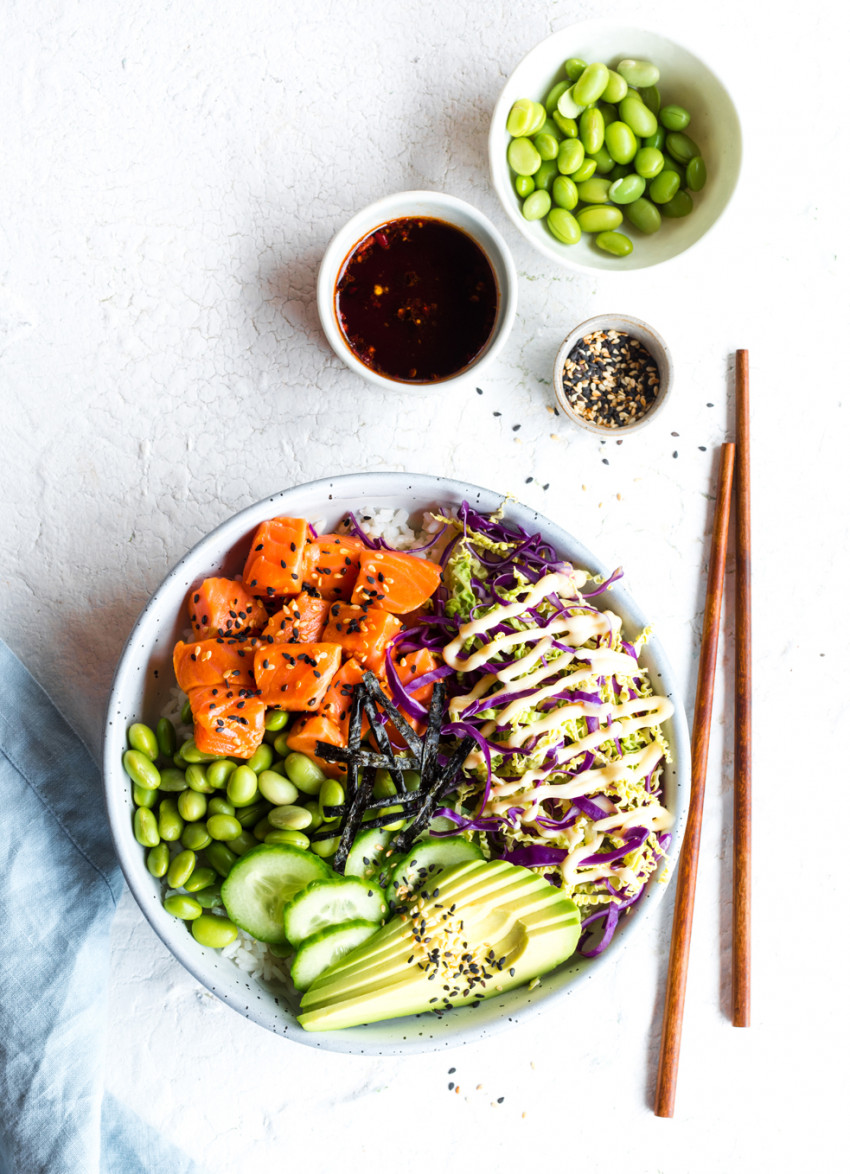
[{"x": 170, "y": 174}]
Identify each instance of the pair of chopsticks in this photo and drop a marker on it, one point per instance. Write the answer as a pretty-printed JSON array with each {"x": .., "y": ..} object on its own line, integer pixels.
[{"x": 680, "y": 944}]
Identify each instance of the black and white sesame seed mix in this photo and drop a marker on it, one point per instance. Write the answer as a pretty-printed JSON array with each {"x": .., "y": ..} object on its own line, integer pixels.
[{"x": 610, "y": 379}]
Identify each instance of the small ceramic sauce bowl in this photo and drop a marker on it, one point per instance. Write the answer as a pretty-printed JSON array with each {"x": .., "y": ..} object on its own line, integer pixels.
[{"x": 649, "y": 338}]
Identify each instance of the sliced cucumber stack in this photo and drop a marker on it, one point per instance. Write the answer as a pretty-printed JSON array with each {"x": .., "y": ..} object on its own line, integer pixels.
[
  {"x": 328, "y": 902},
  {"x": 370, "y": 855},
  {"x": 326, "y": 947},
  {"x": 424, "y": 861},
  {"x": 261, "y": 883}
]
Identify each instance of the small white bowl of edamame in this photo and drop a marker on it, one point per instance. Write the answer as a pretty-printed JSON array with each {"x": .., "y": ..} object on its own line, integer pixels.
[{"x": 634, "y": 132}]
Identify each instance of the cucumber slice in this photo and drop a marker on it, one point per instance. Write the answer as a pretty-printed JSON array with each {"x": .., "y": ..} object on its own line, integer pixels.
[
  {"x": 262, "y": 881},
  {"x": 325, "y": 903},
  {"x": 368, "y": 854},
  {"x": 327, "y": 946},
  {"x": 425, "y": 860}
]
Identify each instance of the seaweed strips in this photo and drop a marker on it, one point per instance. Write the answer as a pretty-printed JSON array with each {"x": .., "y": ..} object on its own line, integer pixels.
[{"x": 363, "y": 764}]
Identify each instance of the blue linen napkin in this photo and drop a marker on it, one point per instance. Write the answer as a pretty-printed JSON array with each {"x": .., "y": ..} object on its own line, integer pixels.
[{"x": 59, "y": 886}]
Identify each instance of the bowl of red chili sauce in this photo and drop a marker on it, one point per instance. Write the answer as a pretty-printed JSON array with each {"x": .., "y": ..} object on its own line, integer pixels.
[{"x": 417, "y": 291}]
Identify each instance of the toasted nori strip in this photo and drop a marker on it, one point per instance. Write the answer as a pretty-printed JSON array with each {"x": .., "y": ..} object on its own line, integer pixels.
[
  {"x": 365, "y": 824},
  {"x": 407, "y": 732},
  {"x": 431, "y": 741},
  {"x": 351, "y": 823},
  {"x": 403, "y": 842},
  {"x": 384, "y": 744},
  {"x": 366, "y": 757}
]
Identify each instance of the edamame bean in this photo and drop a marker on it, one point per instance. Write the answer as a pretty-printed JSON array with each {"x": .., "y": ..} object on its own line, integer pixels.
[
  {"x": 290, "y": 818},
  {"x": 196, "y": 837},
  {"x": 220, "y": 806},
  {"x": 620, "y": 142},
  {"x": 143, "y": 739},
  {"x": 524, "y": 185},
  {"x": 619, "y": 171},
  {"x": 242, "y": 843},
  {"x": 546, "y": 144},
  {"x": 574, "y": 67},
  {"x": 191, "y": 753},
  {"x": 523, "y": 156},
  {"x": 567, "y": 126},
  {"x": 186, "y": 908},
  {"x": 276, "y": 719},
  {"x": 657, "y": 140},
  {"x": 649, "y": 162},
  {"x": 196, "y": 777},
  {"x": 242, "y": 785},
  {"x": 604, "y": 162},
  {"x": 181, "y": 868},
  {"x": 396, "y": 824},
  {"x": 695, "y": 174},
  {"x": 144, "y": 827},
  {"x": 594, "y": 191},
  {"x": 210, "y": 898},
  {"x": 219, "y": 772},
  {"x": 384, "y": 785},
  {"x": 331, "y": 794},
  {"x": 220, "y": 857},
  {"x": 550, "y": 127},
  {"x": 674, "y": 117},
  {"x": 172, "y": 779},
  {"x": 591, "y": 129},
  {"x": 664, "y": 187},
  {"x": 591, "y": 85},
  {"x": 283, "y": 836},
  {"x": 564, "y": 226},
  {"x": 545, "y": 174},
  {"x": 281, "y": 746},
  {"x": 651, "y": 98},
  {"x": 412, "y": 780},
  {"x": 670, "y": 164},
  {"x": 554, "y": 94},
  {"x": 324, "y": 848},
  {"x": 637, "y": 73},
  {"x": 644, "y": 216},
  {"x": 224, "y": 827},
  {"x": 251, "y": 815},
  {"x": 141, "y": 770},
  {"x": 627, "y": 190},
  {"x": 170, "y": 821},
  {"x": 681, "y": 146},
  {"x": 521, "y": 117},
  {"x": 680, "y": 205},
  {"x": 201, "y": 878},
  {"x": 186, "y": 713},
  {"x": 616, "y": 243},
  {"x": 192, "y": 805},
  {"x": 616, "y": 87},
  {"x": 276, "y": 788},
  {"x": 304, "y": 773},
  {"x": 157, "y": 860},
  {"x": 570, "y": 156},
  {"x": 262, "y": 829},
  {"x": 585, "y": 171},
  {"x": 166, "y": 737},
  {"x": 638, "y": 117},
  {"x": 537, "y": 205},
  {"x": 261, "y": 759},
  {"x": 608, "y": 112},
  {"x": 568, "y": 106},
  {"x": 316, "y": 820},
  {"x": 144, "y": 796},
  {"x": 216, "y": 932},
  {"x": 602, "y": 218}
]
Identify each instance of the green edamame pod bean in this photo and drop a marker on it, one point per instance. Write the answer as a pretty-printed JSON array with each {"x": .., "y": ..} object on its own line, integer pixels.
[
  {"x": 220, "y": 806},
  {"x": 627, "y": 190},
  {"x": 192, "y": 754},
  {"x": 644, "y": 216},
  {"x": 201, "y": 878},
  {"x": 216, "y": 932},
  {"x": 276, "y": 719},
  {"x": 283, "y": 836},
  {"x": 664, "y": 187},
  {"x": 651, "y": 98},
  {"x": 554, "y": 94},
  {"x": 695, "y": 174},
  {"x": 242, "y": 843},
  {"x": 657, "y": 140},
  {"x": 637, "y": 73},
  {"x": 261, "y": 759},
  {"x": 196, "y": 837},
  {"x": 144, "y": 796},
  {"x": 608, "y": 112},
  {"x": 144, "y": 827},
  {"x": 262, "y": 829},
  {"x": 545, "y": 174},
  {"x": 219, "y": 772},
  {"x": 567, "y": 126},
  {"x": 594, "y": 191},
  {"x": 521, "y": 117},
  {"x": 620, "y": 142},
  {"x": 166, "y": 737},
  {"x": 192, "y": 805},
  {"x": 186, "y": 908},
  {"x": 316, "y": 818},
  {"x": 523, "y": 156},
  {"x": 591, "y": 129},
  {"x": 574, "y": 67},
  {"x": 157, "y": 860},
  {"x": 619, "y": 171},
  {"x": 616, "y": 88},
  {"x": 604, "y": 162},
  {"x": 242, "y": 785},
  {"x": 143, "y": 739},
  {"x": 568, "y": 106},
  {"x": 331, "y": 794},
  {"x": 397, "y": 824},
  {"x": 290, "y": 818},
  {"x": 546, "y": 144},
  {"x": 384, "y": 786},
  {"x": 304, "y": 773},
  {"x": 186, "y": 713},
  {"x": 281, "y": 746},
  {"x": 412, "y": 780},
  {"x": 587, "y": 168},
  {"x": 323, "y": 848},
  {"x": 674, "y": 118},
  {"x": 616, "y": 243},
  {"x": 276, "y": 788},
  {"x": 181, "y": 868},
  {"x": 251, "y": 815},
  {"x": 670, "y": 164},
  {"x": 224, "y": 827},
  {"x": 591, "y": 85},
  {"x": 681, "y": 146},
  {"x": 172, "y": 779},
  {"x": 601, "y": 218},
  {"x": 564, "y": 226},
  {"x": 539, "y": 111},
  {"x": 537, "y": 205},
  {"x": 638, "y": 117},
  {"x": 141, "y": 770},
  {"x": 210, "y": 898},
  {"x": 570, "y": 156},
  {"x": 170, "y": 822},
  {"x": 680, "y": 205},
  {"x": 550, "y": 127},
  {"x": 220, "y": 857},
  {"x": 524, "y": 185},
  {"x": 196, "y": 777},
  {"x": 649, "y": 162}
]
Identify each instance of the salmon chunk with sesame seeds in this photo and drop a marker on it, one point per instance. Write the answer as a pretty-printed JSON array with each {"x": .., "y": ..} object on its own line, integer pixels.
[
  {"x": 304, "y": 735},
  {"x": 222, "y": 607},
  {"x": 363, "y": 633},
  {"x": 331, "y": 565},
  {"x": 274, "y": 567},
  {"x": 215, "y": 662},
  {"x": 299, "y": 622},
  {"x": 295, "y": 676},
  {"x": 395, "y": 582},
  {"x": 237, "y": 730}
]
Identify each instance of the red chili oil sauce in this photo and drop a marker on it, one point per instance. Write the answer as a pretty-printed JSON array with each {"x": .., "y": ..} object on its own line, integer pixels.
[{"x": 416, "y": 300}]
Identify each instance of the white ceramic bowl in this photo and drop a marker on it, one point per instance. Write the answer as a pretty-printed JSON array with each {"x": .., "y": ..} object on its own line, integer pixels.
[
  {"x": 143, "y": 683},
  {"x": 441, "y": 207},
  {"x": 685, "y": 80}
]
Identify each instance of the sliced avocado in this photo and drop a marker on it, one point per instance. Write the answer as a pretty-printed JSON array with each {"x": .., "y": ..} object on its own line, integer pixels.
[{"x": 514, "y": 924}]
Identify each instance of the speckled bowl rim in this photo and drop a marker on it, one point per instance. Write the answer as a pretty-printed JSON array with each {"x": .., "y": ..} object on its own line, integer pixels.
[
  {"x": 159, "y": 620},
  {"x": 653, "y": 342}
]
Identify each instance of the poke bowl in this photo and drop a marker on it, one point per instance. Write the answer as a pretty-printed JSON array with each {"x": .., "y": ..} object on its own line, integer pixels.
[{"x": 144, "y": 688}]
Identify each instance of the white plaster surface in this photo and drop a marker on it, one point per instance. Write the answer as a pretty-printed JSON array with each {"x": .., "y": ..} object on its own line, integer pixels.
[{"x": 171, "y": 173}]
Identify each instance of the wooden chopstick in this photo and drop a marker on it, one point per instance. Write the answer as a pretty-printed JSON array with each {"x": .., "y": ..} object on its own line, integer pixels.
[
  {"x": 743, "y": 703},
  {"x": 680, "y": 942}
]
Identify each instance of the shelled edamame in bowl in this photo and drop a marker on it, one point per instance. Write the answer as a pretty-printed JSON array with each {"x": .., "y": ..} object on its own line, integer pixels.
[{"x": 613, "y": 148}]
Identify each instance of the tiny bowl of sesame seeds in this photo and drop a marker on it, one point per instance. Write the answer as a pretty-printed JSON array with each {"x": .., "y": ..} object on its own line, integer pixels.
[{"x": 612, "y": 375}]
